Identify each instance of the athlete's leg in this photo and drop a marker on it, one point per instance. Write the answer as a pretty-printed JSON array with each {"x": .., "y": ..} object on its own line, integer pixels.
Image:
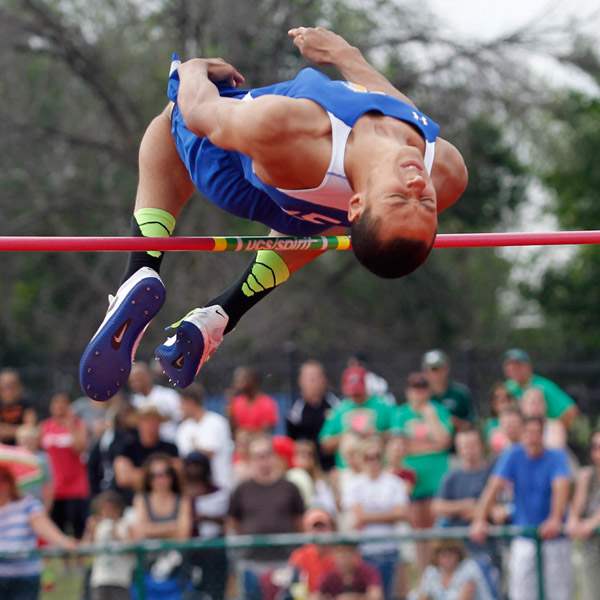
[
  {"x": 164, "y": 188},
  {"x": 267, "y": 270},
  {"x": 201, "y": 331}
]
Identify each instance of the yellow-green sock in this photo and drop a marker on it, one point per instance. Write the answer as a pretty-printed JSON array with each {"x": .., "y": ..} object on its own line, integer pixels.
[
  {"x": 267, "y": 271},
  {"x": 148, "y": 222}
]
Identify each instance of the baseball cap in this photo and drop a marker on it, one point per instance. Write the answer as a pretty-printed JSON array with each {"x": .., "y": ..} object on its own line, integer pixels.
[
  {"x": 354, "y": 381},
  {"x": 417, "y": 380},
  {"x": 284, "y": 447},
  {"x": 434, "y": 359},
  {"x": 517, "y": 355},
  {"x": 315, "y": 517}
]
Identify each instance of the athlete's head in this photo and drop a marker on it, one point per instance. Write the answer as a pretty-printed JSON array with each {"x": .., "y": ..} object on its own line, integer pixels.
[{"x": 394, "y": 220}]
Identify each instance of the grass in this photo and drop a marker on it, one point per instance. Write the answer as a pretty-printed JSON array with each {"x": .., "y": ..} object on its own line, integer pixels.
[{"x": 62, "y": 582}]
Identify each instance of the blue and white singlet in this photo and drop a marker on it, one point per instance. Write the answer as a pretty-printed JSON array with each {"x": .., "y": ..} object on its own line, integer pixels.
[{"x": 227, "y": 179}]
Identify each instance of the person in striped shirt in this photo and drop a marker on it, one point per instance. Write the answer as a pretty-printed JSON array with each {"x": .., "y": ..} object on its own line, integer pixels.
[{"x": 22, "y": 521}]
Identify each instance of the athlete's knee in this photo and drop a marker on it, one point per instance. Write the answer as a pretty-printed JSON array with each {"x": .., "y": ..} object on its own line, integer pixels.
[{"x": 157, "y": 147}]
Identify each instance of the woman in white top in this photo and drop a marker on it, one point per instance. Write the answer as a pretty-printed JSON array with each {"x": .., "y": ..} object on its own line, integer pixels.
[
  {"x": 341, "y": 479},
  {"x": 309, "y": 478},
  {"x": 377, "y": 501}
]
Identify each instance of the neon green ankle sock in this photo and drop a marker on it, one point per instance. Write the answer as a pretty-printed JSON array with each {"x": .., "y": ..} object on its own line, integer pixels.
[{"x": 155, "y": 222}]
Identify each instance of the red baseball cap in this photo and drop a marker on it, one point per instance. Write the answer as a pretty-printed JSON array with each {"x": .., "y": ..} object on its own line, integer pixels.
[
  {"x": 354, "y": 381},
  {"x": 284, "y": 446}
]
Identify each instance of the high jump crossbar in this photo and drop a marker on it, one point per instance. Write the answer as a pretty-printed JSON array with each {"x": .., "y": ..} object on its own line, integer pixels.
[{"x": 253, "y": 243}]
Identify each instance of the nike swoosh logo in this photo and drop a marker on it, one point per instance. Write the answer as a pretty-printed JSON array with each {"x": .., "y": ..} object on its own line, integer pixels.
[
  {"x": 118, "y": 336},
  {"x": 220, "y": 313},
  {"x": 178, "y": 363}
]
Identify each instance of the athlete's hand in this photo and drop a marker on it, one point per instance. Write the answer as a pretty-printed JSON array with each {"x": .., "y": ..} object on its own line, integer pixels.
[
  {"x": 216, "y": 68},
  {"x": 319, "y": 45}
]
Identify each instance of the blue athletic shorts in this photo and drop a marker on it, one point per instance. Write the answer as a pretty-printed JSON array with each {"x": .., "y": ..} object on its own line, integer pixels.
[{"x": 218, "y": 174}]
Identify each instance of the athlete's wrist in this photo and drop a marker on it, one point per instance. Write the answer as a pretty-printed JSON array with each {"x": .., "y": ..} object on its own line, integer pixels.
[{"x": 346, "y": 57}]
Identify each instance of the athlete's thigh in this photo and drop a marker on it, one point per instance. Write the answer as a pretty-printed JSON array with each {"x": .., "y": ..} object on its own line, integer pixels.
[{"x": 164, "y": 182}]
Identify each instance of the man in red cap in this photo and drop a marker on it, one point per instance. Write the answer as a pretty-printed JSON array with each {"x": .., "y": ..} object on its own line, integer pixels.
[{"x": 358, "y": 413}]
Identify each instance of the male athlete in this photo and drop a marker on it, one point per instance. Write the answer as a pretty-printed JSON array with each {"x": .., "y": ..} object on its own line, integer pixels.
[{"x": 305, "y": 156}]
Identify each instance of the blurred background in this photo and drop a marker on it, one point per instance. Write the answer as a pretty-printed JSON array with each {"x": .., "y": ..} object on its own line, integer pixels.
[{"x": 514, "y": 85}]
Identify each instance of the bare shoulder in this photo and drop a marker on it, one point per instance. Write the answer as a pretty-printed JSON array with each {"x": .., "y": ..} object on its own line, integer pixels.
[{"x": 449, "y": 173}]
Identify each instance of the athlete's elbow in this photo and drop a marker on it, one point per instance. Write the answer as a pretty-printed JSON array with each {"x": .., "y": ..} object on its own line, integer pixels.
[
  {"x": 195, "y": 116},
  {"x": 462, "y": 177}
]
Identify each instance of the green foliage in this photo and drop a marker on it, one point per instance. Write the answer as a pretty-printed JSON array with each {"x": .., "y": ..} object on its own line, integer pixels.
[
  {"x": 497, "y": 178},
  {"x": 572, "y": 171},
  {"x": 80, "y": 82},
  {"x": 569, "y": 294}
]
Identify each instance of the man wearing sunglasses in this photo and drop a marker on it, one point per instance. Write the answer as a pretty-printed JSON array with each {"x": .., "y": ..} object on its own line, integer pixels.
[{"x": 455, "y": 396}]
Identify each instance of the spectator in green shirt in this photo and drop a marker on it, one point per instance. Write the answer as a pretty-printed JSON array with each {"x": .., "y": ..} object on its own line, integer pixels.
[
  {"x": 456, "y": 397},
  {"x": 518, "y": 371},
  {"x": 357, "y": 413},
  {"x": 427, "y": 426}
]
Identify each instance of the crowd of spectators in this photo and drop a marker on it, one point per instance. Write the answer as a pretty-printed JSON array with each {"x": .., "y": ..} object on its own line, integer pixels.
[{"x": 156, "y": 464}]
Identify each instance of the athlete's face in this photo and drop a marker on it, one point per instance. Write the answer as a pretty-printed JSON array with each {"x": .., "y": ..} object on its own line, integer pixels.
[{"x": 401, "y": 196}]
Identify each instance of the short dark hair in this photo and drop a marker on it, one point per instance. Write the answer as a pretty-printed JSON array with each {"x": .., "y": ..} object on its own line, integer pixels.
[
  {"x": 512, "y": 410},
  {"x": 61, "y": 394},
  {"x": 535, "y": 419},
  {"x": 388, "y": 259},
  {"x": 194, "y": 392},
  {"x": 111, "y": 497},
  {"x": 470, "y": 429},
  {"x": 197, "y": 467}
]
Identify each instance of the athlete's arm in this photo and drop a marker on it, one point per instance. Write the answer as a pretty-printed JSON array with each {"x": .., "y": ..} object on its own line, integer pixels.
[
  {"x": 449, "y": 174},
  {"x": 324, "y": 47},
  {"x": 247, "y": 127}
]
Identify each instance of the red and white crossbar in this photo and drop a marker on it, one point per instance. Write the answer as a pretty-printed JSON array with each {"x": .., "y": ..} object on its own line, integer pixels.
[{"x": 253, "y": 243}]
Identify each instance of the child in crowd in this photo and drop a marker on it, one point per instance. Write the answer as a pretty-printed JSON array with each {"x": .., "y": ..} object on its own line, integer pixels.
[
  {"x": 28, "y": 437},
  {"x": 111, "y": 573}
]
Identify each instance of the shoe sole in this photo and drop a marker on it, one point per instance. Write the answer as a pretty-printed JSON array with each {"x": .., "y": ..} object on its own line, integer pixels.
[
  {"x": 189, "y": 345},
  {"x": 105, "y": 364}
]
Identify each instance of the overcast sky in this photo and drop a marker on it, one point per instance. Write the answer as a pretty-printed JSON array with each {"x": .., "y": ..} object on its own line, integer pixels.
[
  {"x": 481, "y": 19},
  {"x": 485, "y": 19}
]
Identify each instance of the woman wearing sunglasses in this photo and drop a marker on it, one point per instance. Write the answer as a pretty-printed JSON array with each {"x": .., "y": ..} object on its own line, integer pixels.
[{"x": 161, "y": 512}]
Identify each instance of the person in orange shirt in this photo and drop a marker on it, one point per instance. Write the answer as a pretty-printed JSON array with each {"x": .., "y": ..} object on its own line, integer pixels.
[{"x": 313, "y": 561}]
